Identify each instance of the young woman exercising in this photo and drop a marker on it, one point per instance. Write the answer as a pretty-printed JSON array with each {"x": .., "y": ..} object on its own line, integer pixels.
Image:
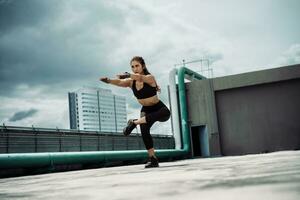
[{"x": 145, "y": 89}]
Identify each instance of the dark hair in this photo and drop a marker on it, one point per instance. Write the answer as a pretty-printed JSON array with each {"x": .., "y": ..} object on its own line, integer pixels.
[{"x": 141, "y": 60}]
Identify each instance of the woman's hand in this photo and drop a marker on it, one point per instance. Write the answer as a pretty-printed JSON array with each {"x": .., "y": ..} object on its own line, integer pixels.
[
  {"x": 123, "y": 76},
  {"x": 105, "y": 79}
]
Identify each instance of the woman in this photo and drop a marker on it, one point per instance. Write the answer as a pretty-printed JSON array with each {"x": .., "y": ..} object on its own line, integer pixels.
[{"x": 145, "y": 89}]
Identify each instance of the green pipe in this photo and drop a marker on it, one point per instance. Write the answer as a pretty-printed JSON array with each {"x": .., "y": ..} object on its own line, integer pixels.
[
  {"x": 186, "y": 138},
  {"x": 36, "y": 160}
]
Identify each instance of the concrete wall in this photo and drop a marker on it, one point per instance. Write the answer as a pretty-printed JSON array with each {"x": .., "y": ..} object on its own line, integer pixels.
[
  {"x": 248, "y": 113},
  {"x": 202, "y": 111}
]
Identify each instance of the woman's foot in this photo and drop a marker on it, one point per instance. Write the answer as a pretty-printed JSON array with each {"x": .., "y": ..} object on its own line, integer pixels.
[
  {"x": 130, "y": 126},
  {"x": 152, "y": 162}
]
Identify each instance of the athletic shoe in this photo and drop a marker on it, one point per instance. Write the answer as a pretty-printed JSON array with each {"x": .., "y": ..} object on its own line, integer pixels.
[
  {"x": 152, "y": 162},
  {"x": 130, "y": 126}
]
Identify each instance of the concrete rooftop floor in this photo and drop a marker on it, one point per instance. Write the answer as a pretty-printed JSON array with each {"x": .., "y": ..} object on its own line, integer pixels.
[{"x": 262, "y": 176}]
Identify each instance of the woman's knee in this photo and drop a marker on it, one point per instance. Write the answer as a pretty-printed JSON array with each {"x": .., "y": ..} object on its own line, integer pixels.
[{"x": 165, "y": 114}]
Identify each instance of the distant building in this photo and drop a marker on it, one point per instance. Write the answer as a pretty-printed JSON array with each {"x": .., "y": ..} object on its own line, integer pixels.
[{"x": 97, "y": 109}]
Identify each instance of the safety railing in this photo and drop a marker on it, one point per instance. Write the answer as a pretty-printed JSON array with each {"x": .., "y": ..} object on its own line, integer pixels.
[{"x": 32, "y": 140}]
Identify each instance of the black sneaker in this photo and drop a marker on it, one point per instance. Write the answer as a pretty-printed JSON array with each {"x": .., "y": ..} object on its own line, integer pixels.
[
  {"x": 130, "y": 126},
  {"x": 152, "y": 162}
]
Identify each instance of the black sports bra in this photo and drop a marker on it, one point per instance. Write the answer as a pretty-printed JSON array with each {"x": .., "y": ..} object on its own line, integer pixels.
[{"x": 146, "y": 91}]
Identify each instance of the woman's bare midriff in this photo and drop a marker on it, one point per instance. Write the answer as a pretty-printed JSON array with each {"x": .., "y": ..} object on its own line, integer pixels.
[{"x": 149, "y": 101}]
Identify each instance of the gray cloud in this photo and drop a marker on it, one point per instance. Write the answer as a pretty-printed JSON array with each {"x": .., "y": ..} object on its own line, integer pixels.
[
  {"x": 26, "y": 13},
  {"x": 40, "y": 46},
  {"x": 48, "y": 48},
  {"x": 22, "y": 115},
  {"x": 290, "y": 56}
]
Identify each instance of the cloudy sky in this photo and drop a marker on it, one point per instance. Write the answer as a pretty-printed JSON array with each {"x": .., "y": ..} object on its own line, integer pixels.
[{"x": 51, "y": 47}]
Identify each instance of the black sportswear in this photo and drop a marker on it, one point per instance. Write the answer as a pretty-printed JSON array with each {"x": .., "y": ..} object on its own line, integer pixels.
[
  {"x": 158, "y": 112},
  {"x": 145, "y": 92}
]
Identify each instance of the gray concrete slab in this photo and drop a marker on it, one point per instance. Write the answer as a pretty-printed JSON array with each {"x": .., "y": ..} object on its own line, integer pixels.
[{"x": 262, "y": 176}]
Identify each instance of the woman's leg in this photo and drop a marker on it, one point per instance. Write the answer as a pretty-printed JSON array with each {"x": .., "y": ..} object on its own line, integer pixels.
[
  {"x": 148, "y": 141},
  {"x": 146, "y": 121},
  {"x": 161, "y": 115},
  {"x": 139, "y": 121},
  {"x": 151, "y": 152},
  {"x": 147, "y": 138}
]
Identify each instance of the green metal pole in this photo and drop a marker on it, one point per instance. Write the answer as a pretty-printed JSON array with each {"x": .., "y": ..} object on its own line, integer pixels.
[{"x": 183, "y": 105}]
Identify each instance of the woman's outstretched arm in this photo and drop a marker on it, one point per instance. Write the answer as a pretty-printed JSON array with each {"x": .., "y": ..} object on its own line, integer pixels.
[
  {"x": 139, "y": 77},
  {"x": 117, "y": 82}
]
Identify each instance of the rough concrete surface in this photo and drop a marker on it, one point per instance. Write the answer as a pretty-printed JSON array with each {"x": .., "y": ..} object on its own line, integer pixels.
[{"x": 262, "y": 176}]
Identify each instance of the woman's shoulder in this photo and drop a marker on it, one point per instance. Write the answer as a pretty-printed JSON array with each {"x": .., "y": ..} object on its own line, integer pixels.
[{"x": 153, "y": 81}]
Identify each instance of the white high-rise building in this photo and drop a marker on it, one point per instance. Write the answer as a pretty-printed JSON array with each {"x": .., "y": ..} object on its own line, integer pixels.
[{"x": 97, "y": 109}]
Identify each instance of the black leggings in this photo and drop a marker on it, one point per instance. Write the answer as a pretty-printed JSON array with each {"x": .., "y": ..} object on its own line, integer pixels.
[{"x": 158, "y": 112}]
